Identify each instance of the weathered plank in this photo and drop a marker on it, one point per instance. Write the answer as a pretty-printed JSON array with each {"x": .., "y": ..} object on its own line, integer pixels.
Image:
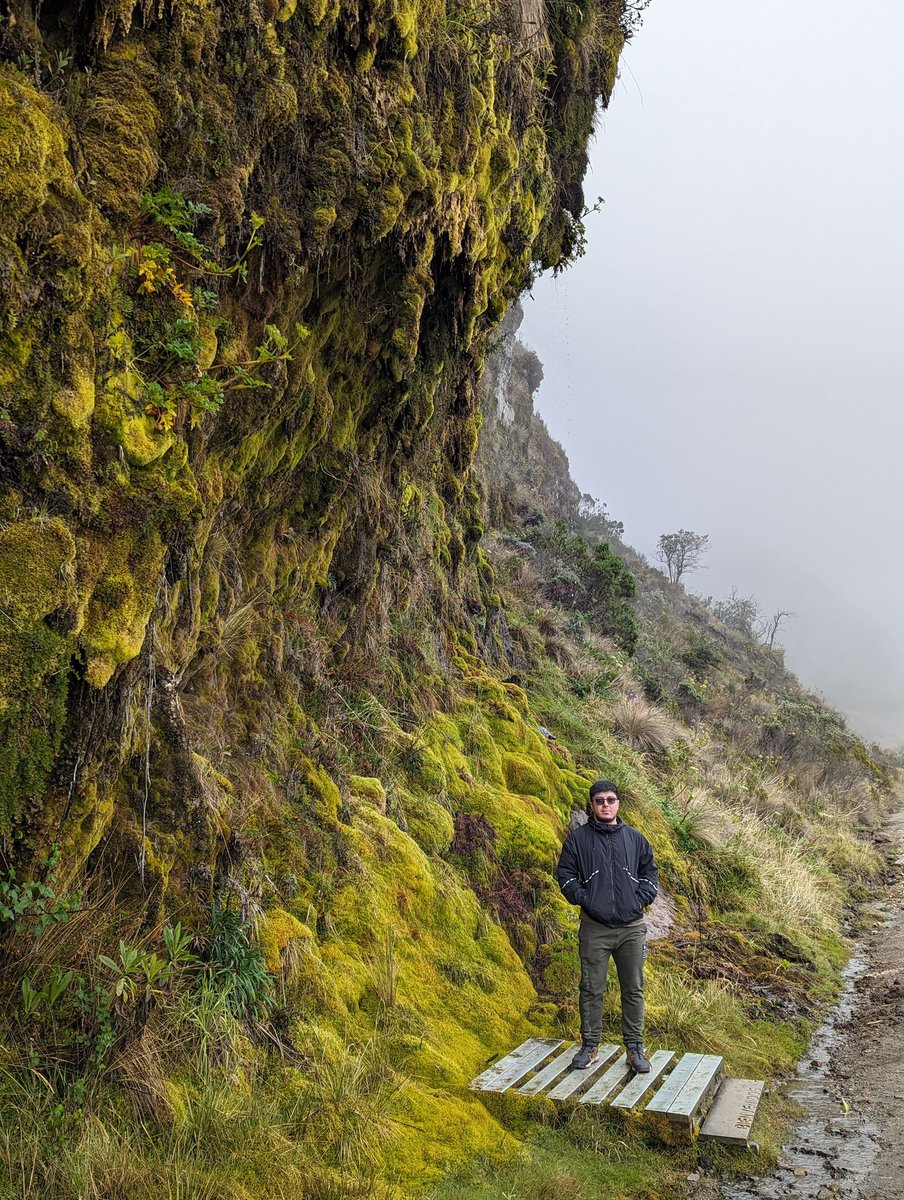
[
  {"x": 513, "y": 1068},
  {"x": 574, "y": 1079},
  {"x": 671, "y": 1089},
  {"x": 701, "y": 1085},
  {"x": 634, "y": 1091},
  {"x": 550, "y": 1073},
  {"x": 734, "y": 1108},
  {"x": 610, "y": 1082}
]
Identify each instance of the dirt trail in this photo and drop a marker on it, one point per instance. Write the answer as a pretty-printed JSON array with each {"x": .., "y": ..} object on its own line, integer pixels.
[{"x": 850, "y": 1144}]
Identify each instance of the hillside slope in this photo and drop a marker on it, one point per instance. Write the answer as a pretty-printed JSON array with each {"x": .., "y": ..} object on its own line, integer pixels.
[{"x": 277, "y": 812}]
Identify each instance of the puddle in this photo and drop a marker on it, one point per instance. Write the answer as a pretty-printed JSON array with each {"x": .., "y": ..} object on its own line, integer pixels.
[{"x": 833, "y": 1147}]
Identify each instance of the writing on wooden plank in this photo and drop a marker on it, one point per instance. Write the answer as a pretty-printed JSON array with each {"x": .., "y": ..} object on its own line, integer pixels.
[{"x": 732, "y": 1114}]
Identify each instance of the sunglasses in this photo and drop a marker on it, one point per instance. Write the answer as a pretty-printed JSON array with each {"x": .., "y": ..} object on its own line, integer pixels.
[{"x": 604, "y": 800}]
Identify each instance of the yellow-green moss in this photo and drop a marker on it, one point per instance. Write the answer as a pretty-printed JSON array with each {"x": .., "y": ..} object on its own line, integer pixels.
[
  {"x": 119, "y": 606},
  {"x": 429, "y": 823},
  {"x": 371, "y": 790},
  {"x": 276, "y": 929},
  {"x": 37, "y": 560}
]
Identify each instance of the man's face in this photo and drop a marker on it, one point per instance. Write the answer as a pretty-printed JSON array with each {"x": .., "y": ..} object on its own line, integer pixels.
[{"x": 604, "y": 806}]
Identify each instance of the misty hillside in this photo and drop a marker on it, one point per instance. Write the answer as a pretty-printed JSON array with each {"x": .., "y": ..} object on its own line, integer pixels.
[{"x": 306, "y": 661}]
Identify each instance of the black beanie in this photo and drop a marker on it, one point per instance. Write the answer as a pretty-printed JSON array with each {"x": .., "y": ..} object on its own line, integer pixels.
[{"x": 603, "y": 785}]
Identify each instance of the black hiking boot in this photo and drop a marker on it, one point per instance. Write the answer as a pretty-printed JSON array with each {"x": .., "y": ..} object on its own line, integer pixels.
[
  {"x": 586, "y": 1057},
  {"x": 637, "y": 1060}
]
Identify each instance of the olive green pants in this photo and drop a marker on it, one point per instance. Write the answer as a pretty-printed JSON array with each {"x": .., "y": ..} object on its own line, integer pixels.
[{"x": 626, "y": 944}]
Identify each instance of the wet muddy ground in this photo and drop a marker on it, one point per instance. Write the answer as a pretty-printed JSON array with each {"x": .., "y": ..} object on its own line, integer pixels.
[{"x": 849, "y": 1144}]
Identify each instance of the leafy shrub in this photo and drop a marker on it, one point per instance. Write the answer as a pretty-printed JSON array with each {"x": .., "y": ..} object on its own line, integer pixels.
[
  {"x": 701, "y": 653},
  {"x": 593, "y": 582}
]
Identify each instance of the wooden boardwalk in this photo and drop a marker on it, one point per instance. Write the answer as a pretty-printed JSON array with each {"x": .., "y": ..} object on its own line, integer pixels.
[{"x": 690, "y": 1092}]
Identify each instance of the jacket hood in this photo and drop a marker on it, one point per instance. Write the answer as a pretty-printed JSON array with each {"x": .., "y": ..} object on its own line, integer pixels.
[{"x": 606, "y": 829}]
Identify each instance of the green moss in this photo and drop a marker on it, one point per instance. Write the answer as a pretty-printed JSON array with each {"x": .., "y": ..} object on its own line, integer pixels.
[
  {"x": 36, "y": 568},
  {"x": 429, "y": 823},
  {"x": 118, "y": 609},
  {"x": 119, "y": 129},
  {"x": 523, "y": 776},
  {"x": 276, "y": 930},
  {"x": 371, "y": 790},
  {"x": 142, "y": 442}
]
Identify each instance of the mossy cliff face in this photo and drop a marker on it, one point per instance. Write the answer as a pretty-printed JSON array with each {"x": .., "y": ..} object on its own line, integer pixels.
[
  {"x": 169, "y": 480},
  {"x": 250, "y": 262}
]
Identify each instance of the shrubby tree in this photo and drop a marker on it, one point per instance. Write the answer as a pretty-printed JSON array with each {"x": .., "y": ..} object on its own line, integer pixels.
[
  {"x": 681, "y": 552},
  {"x": 743, "y": 614},
  {"x": 596, "y": 519},
  {"x": 592, "y": 581},
  {"x": 739, "y": 612}
]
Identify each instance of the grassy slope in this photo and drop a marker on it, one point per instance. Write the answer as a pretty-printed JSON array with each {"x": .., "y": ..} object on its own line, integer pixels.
[
  {"x": 262, "y": 684},
  {"x": 420, "y": 953}
]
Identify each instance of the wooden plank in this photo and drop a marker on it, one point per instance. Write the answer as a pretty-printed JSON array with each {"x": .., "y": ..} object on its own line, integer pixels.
[
  {"x": 669, "y": 1091},
  {"x": 513, "y": 1068},
  {"x": 634, "y": 1091},
  {"x": 701, "y": 1085},
  {"x": 550, "y": 1073},
  {"x": 610, "y": 1082},
  {"x": 733, "y": 1111},
  {"x": 575, "y": 1079}
]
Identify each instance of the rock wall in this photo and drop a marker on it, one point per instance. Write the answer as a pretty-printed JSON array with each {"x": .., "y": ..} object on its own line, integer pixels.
[{"x": 251, "y": 259}]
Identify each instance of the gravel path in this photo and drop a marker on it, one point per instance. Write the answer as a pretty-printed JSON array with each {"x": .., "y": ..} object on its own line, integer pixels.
[{"x": 850, "y": 1143}]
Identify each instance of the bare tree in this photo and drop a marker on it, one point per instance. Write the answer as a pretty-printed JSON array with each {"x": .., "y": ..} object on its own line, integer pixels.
[
  {"x": 681, "y": 552},
  {"x": 771, "y": 625}
]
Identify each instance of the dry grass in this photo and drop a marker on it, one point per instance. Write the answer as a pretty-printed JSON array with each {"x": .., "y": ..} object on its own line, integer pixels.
[
  {"x": 795, "y": 894},
  {"x": 707, "y": 822},
  {"x": 643, "y": 726},
  {"x": 704, "y": 1017}
]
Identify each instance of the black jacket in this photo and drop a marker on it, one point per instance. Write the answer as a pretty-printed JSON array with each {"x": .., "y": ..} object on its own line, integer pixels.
[{"x": 608, "y": 870}]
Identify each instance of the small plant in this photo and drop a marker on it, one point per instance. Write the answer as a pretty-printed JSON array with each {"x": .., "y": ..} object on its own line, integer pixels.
[
  {"x": 178, "y": 216},
  {"x": 235, "y": 966},
  {"x": 137, "y": 973},
  {"x": 174, "y": 314},
  {"x": 32, "y": 904},
  {"x": 178, "y": 942}
]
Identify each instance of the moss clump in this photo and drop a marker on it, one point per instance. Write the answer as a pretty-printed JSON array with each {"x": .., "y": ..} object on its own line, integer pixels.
[
  {"x": 371, "y": 791},
  {"x": 429, "y": 823},
  {"x": 119, "y": 604},
  {"x": 276, "y": 930},
  {"x": 37, "y": 560}
]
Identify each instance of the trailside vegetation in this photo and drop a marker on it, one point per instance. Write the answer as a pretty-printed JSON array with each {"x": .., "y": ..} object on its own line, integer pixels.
[{"x": 277, "y": 808}]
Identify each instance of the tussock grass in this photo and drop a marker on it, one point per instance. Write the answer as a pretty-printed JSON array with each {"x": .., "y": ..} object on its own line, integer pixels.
[
  {"x": 643, "y": 726},
  {"x": 703, "y": 1017},
  {"x": 708, "y": 822},
  {"x": 847, "y": 855},
  {"x": 794, "y": 892}
]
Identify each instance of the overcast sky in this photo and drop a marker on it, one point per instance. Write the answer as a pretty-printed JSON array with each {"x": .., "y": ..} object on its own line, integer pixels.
[{"x": 728, "y": 356}]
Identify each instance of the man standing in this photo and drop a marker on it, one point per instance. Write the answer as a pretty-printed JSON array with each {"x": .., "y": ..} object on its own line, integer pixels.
[{"x": 607, "y": 868}]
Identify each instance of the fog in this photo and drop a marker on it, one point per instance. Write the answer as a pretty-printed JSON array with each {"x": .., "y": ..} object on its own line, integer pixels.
[{"x": 728, "y": 357}]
